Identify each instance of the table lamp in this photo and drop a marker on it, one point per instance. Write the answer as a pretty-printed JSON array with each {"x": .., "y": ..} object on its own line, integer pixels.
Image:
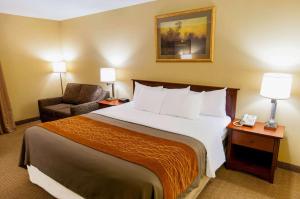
[
  {"x": 60, "y": 67},
  {"x": 275, "y": 86},
  {"x": 108, "y": 75}
]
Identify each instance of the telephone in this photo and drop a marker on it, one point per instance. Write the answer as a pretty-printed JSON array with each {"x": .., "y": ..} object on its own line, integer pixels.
[{"x": 247, "y": 120}]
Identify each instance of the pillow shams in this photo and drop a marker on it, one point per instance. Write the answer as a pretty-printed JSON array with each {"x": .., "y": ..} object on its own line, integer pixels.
[
  {"x": 150, "y": 100},
  {"x": 191, "y": 105},
  {"x": 181, "y": 102},
  {"x": 139, "y": 87},
  {"x": 173, "y": 101},
  {"x": 214, "y": 103}
]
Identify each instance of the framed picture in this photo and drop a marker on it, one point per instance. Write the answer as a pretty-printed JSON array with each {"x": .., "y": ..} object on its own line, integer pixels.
[{"x": 186, "y": 36}]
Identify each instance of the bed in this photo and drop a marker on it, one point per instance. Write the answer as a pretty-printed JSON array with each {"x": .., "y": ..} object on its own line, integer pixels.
[{"x": 69, "y": 169}]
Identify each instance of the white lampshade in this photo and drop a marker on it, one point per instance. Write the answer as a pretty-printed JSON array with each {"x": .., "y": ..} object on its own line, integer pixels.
[
  {"x": 108, "y": 74},
  {"x": 59, "y": 67},
  {"x": 276, "y": 85}
]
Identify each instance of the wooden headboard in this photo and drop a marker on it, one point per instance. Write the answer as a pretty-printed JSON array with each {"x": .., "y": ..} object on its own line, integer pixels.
[{"x": 231, "y": 93}]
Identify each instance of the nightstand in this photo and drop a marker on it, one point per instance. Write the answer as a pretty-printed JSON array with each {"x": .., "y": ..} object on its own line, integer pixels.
[
  {"x": 254, "y": 149},
  {"x": 109, "y": 103}
]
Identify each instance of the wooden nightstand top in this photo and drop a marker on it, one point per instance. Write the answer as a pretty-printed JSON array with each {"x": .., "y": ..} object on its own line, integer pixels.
[
  {"x": 115, "y": 102},
  {"x": 258, "y": 128}
]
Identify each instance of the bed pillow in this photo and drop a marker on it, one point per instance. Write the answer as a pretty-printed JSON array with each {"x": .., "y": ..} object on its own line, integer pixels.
[
  {"x": 138, "y": 88},
  {"x": 150, "y": 100},
  {"x": 173, "y": 101},
  {"x": 214, "y": 103},
  {"x": 191, "y": 105}
]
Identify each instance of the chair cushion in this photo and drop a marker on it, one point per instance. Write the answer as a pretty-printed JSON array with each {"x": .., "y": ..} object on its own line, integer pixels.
[
  {"x": 72, "y": 93},
  {"x": 58, "y": 109},
  {"x": 89, "y": 93}
]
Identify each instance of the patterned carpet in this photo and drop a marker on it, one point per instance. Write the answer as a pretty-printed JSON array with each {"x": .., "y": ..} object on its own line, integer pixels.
[
  {"x": 236, "y": 185},
  {"x": 14, "y": 182}
]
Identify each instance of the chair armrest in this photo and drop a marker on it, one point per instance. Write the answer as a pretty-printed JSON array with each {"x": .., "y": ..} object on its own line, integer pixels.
[
  {"x": 104, "y": 95},
  {"x": 49, "y": 101},
  {"x": 84, "y": 108}
]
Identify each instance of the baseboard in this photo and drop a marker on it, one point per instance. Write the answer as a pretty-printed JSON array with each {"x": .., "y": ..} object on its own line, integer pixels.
[
  {"x": 20, "y": 122},
  {"x": 288, "y": 166}
]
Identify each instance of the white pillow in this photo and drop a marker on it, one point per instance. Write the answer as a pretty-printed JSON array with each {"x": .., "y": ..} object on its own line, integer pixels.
[
  {"x": 173, "y": 101},
  {"x": 195, "y": 92},
  {"x": 150, "y": 100},
  {"x": 138, "y": 88},
  {"x": 214, "y": 103},
  {"x": 191, "y": 105}
]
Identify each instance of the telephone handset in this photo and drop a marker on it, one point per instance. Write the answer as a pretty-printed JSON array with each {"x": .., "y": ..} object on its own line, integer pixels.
[{"x": 247, "y": 120}]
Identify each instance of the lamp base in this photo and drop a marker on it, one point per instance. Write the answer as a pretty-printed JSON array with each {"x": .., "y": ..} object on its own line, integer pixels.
[{"x": 271, "y": 125}]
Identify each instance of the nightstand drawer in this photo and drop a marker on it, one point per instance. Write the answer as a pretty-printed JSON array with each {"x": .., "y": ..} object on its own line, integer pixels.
[{"x": 253, "y": 141}]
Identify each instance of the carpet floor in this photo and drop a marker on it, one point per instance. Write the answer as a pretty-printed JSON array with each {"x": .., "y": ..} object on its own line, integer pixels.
[{"x": 15, "y": 184}]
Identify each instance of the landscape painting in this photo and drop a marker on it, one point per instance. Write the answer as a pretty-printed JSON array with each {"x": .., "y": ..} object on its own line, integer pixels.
[{"x": 185, "y": 36}]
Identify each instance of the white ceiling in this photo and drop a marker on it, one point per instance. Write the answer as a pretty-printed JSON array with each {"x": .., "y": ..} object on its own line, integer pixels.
[{"x": 62, "y": 9}]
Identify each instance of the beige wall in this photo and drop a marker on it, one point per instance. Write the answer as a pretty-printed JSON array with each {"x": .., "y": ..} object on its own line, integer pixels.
[
  {"x": 252, "y": 37},
  {"x": 27, "y": 46}
]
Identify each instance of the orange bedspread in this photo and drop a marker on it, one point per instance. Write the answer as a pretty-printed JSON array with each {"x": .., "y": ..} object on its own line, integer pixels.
[{"x": 173, "y": 162}]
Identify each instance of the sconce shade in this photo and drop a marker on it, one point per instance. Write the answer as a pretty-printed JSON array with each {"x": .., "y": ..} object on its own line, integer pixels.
[
  {"x": 59, "y": 67},
  {"x": 276, "y": 85},
  {"x": 108, "y": 74}
]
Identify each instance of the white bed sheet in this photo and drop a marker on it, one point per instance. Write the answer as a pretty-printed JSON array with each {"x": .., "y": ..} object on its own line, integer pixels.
[
  {"x": 224, "y": 134},
  {"x": 207, "y": 129}
]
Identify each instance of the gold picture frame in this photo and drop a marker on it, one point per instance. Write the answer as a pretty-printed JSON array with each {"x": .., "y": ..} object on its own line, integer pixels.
[{"x": 186, "y": 36}]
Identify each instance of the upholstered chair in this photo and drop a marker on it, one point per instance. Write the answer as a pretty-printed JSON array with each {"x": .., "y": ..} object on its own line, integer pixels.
[{"x": 77, "y": 99}]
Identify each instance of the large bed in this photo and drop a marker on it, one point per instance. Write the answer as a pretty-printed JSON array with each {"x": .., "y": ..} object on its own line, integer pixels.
[{"x": 69, "y": 169}]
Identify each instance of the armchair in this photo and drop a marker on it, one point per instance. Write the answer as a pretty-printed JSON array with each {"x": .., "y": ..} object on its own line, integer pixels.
[{"x": 78, "y": 99}]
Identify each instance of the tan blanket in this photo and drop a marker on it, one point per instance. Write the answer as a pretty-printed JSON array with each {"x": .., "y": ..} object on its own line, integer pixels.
[{"x": 174, "y": 163}]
